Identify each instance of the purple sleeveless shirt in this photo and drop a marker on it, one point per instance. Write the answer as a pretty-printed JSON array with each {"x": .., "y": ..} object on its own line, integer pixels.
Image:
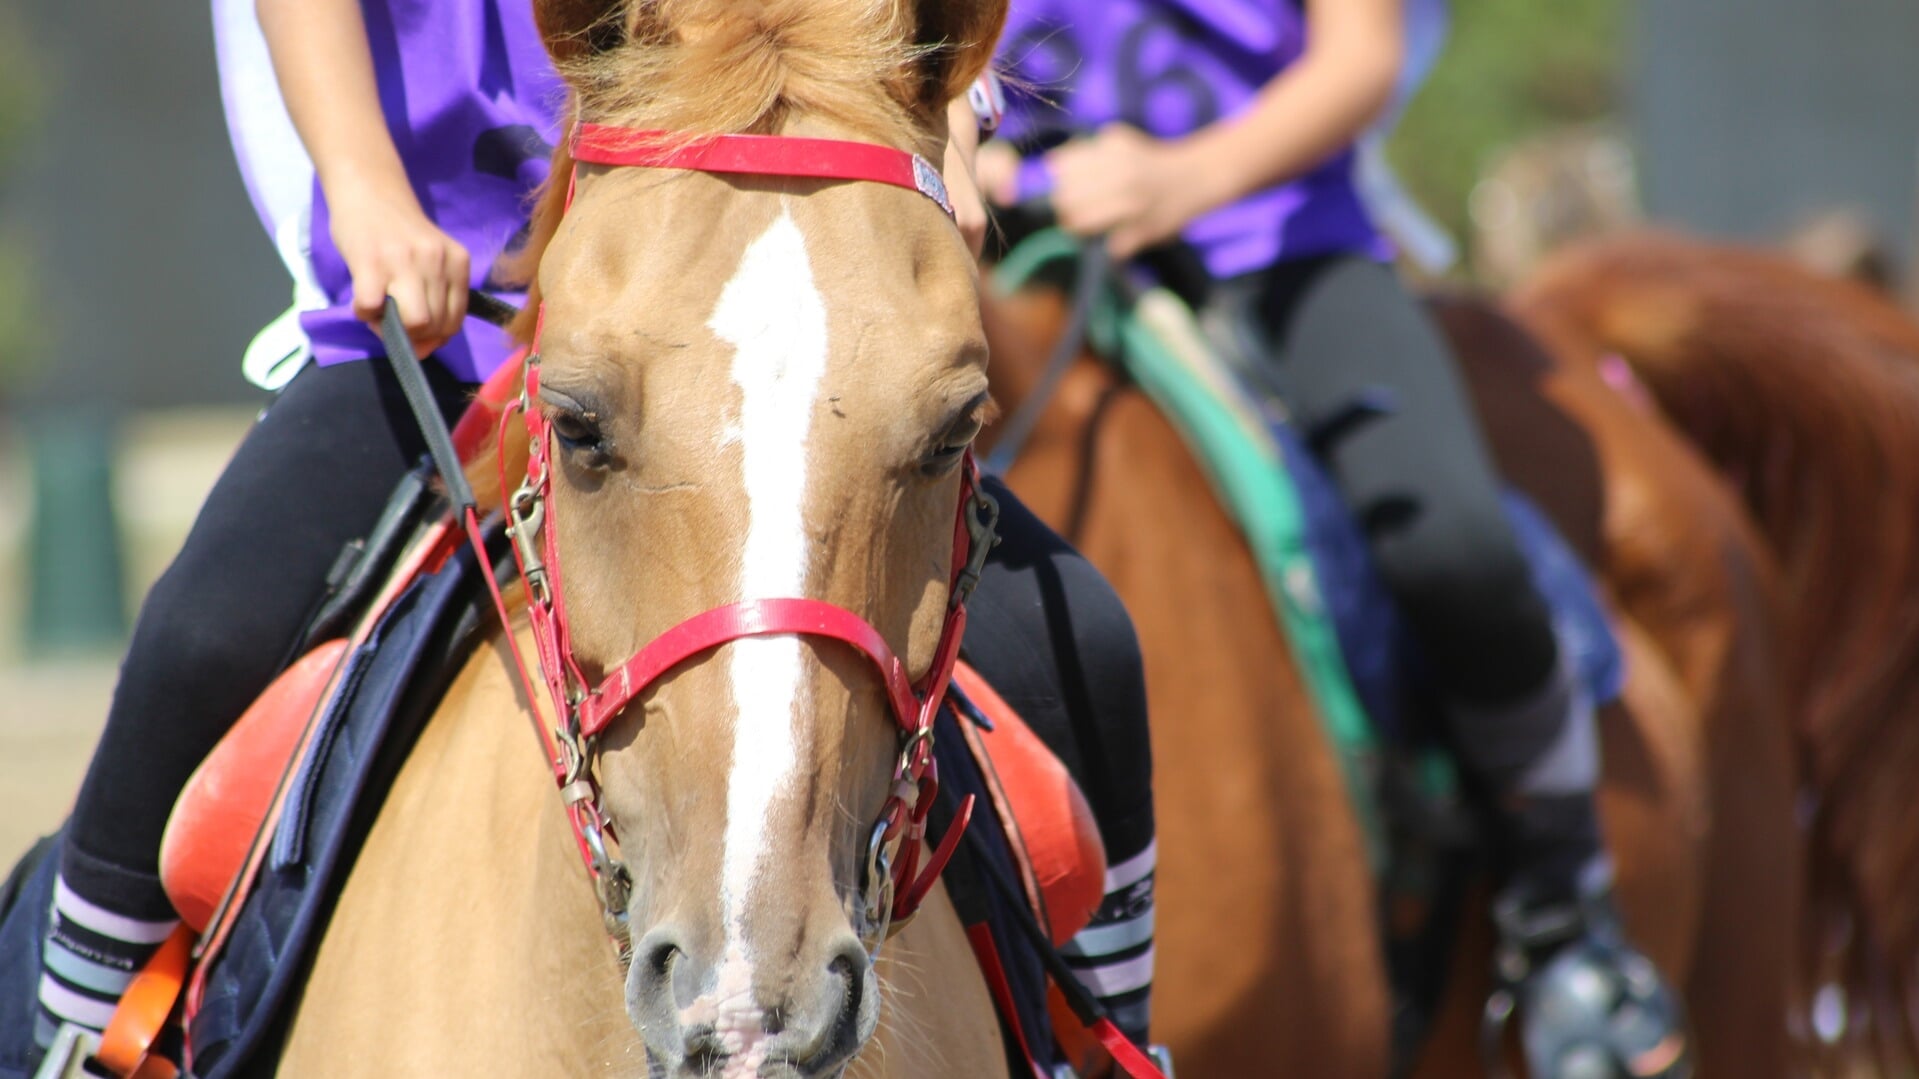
[
  {"x": 1170, "y": 67},
  {"x": 472, "y": 104}
]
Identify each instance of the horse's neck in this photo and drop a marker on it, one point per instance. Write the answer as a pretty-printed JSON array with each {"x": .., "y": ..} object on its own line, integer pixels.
[{"x": 468, "y": 939}]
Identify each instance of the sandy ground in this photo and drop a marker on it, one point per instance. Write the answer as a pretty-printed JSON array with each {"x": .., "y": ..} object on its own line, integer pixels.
[
  {"x": 53, "y": 716},
  {"x": 52, "y": 708}
]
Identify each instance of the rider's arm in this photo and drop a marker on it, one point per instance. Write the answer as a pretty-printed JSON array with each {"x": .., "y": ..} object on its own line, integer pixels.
[
  {"x": 325, "y": 69},
  {"x": 1318, "y": 106},
  {"x": 1141, "y": 191}
]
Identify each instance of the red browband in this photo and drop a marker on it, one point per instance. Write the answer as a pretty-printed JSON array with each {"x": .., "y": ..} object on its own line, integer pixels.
[{"x": 761, "y": 155}]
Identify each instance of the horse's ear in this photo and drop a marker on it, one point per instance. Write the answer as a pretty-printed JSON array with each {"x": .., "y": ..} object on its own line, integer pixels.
[
  {"x": 573, "y": 29},
  {"x": 959, "y": 37}
]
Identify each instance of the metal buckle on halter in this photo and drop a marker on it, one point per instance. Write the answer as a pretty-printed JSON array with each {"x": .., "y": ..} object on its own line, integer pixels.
[
  {"x": 877, "y": 895},
  {"x": 982, "y": 530},
  {"x": 526, "y": 512},
  {"x": 575, "y": 786},
  {"x": 612, "y": 880},
  {"x": 903, "y": 769},
  {"x": 895, "y": 828}
]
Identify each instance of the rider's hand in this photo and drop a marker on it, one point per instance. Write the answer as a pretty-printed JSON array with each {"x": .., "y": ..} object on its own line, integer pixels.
[
  {"x": 392, "y": 249},
  {"x": 1124, "y": 183},
  {"x": 962, "y": 189},
  {"x": 996, "y": 167}
]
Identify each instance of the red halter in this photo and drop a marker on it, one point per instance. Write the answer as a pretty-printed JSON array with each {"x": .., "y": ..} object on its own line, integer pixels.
[{"x": 893, "y": 886}]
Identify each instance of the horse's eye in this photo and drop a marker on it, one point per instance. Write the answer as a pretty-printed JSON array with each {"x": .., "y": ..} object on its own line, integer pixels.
[
  {"x": 952, "y": 445},
  {"x": 579, "y": 435}
]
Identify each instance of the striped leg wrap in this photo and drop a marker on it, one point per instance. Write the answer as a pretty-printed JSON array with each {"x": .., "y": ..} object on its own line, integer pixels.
[
  {"x": 90, "y": 955},
  {"x": 1113, "y": 955}
]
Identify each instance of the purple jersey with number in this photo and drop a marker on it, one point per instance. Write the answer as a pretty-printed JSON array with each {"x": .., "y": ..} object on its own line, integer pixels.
[
  {"x": 472, "y": 104},
  {"x": 1170, "y": 67}
]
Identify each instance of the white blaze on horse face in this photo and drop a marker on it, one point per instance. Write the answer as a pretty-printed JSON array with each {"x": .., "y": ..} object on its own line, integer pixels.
[{"x": 773, "y": 315}]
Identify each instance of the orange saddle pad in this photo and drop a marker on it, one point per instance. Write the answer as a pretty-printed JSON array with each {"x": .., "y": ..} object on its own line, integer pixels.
[
  {"x": 1054, "y": 838},
  {"x": 215, "y": 818}
]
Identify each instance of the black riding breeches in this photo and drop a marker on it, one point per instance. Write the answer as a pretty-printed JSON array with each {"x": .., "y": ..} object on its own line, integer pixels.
[
  {"x": 1335, "y": 330},
  {"x": 312, "y": 474}
]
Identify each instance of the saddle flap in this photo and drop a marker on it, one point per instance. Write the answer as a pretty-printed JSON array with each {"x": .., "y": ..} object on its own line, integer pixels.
[
  {"x": 1050, "y": 827},
  {"x": 217, "y": 815}
]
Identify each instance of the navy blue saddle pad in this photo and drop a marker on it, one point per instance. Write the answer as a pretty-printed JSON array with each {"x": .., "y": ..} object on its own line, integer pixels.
[{"x": 1379, "y": 649}]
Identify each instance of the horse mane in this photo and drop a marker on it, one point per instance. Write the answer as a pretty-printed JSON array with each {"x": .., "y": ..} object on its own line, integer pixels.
[
  {"x": 1804, "y": 392},
  {"x": 735, "y": 66}
]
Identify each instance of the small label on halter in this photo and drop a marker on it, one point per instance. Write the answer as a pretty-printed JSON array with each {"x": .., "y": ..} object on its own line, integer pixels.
[{"x": 927, "y": 179}]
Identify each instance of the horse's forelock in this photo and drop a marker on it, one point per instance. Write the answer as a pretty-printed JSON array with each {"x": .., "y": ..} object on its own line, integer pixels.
[{"x": 718, "y": 66}]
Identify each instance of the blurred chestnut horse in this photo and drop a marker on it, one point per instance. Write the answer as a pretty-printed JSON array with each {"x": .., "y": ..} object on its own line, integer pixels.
[
  {"x": 1803, "y": 393},
  {"x": 1270, "y": 960},
  {"x": 757, "y": 387}
]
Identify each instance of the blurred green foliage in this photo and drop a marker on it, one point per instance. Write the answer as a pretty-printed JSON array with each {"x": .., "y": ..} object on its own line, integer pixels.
[{"x": 1512, "y": 68}]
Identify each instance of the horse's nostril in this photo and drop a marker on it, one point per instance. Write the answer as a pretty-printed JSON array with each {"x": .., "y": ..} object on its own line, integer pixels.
[
  {"x": 659, "y": 959},
  {"x": 846, "y": 1017},
  {"x": 652, "y": 994},
  {"x": 847, "y": 964}
]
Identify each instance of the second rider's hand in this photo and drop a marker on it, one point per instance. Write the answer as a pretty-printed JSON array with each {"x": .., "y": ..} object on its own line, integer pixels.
[
  {"x": 1125, "y": 184},
  {"x": 962, "y": 185},
  {"x": 392, "y": 249}
]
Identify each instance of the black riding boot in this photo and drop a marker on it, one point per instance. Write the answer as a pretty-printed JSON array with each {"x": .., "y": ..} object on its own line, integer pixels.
[{"x": 1588, "y": 1004}]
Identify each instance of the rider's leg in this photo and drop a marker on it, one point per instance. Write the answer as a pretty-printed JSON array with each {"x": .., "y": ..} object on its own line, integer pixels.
[
  {"x": 1054, "y": 640},
  {"x": 1421, "y": 484},
  {"x": 313, "y": 473}
]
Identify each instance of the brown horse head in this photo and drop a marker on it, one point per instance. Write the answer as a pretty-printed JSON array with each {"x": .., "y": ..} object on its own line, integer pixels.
[{"x": 759, "y": 387}]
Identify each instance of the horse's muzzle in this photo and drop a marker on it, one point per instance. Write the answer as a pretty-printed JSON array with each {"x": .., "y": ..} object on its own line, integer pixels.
[{"x": 791, "y": 1022}]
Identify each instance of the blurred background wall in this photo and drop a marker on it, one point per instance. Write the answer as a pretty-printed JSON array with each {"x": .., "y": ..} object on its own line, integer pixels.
[
  {"x": 1752, "y": 115},
  {"x": 132, "y": 274},
  {"x": 147, "y": 271}
]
